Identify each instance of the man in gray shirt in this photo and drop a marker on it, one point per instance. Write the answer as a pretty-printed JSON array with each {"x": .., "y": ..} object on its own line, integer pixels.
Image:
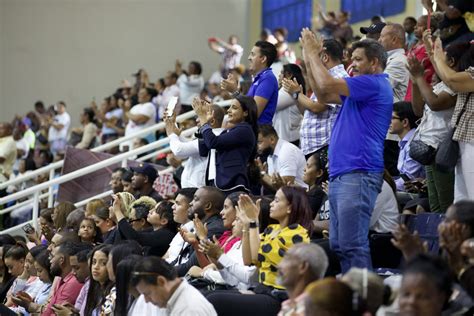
[{"x": 392, "y": 39}]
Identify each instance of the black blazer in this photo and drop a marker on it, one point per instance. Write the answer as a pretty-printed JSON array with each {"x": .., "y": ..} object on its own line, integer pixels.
[{"x": 234, "y": 148}]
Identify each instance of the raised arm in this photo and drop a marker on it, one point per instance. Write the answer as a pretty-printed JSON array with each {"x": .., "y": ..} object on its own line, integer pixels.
[
  {"x": 249, "y": 212},
  {"x": 138, "y": 118},
  {"x": 228, "y": 46},
  {"x": 327, "y": 88},
  {"x": 436, "y": 102},
  {"x": 458, "y": 81},
  {"x": 214, "y": 46},
  {"x": 303, "y": 102}
]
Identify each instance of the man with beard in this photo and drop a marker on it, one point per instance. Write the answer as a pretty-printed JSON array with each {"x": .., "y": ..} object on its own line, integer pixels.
[
  {"x": 142, "y": 182},
  {"x": 68, "y": 288},
  {"x": 285, "y": 162},
  {"x": 206, "y": 205}
]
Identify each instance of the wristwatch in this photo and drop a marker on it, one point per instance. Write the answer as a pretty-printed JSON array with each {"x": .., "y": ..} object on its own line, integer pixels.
[{"x": 295, "y": 95}]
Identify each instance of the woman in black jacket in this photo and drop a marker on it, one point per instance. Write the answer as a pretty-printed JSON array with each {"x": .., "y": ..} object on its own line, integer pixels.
[{"x": 234, "y": 148}]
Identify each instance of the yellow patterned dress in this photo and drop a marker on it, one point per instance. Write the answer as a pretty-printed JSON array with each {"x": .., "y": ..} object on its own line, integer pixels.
[{"x": 274, "y": 242}]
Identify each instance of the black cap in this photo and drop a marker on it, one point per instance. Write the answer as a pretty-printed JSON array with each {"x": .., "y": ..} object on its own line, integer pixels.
[
  {"x": 373, "y": 29},
  {"x": 146, "y": 170}
]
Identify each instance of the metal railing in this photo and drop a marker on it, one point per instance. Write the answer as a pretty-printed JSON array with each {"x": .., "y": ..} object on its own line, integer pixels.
[
  {"x": 151, "y": 149},
  {"x": 59, "y": 164}
]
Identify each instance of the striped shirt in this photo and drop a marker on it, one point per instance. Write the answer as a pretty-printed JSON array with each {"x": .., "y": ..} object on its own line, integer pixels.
[{"x": 316, "y": 127}]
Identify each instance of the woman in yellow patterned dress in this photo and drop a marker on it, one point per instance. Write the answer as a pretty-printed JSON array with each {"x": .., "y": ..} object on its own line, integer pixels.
[{"x": 290, "y": 208}]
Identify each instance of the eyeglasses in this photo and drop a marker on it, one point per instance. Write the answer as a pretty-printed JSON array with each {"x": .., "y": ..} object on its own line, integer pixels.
[
  {"x": 133, "y": 220},
  {"x": 396, "y": 117}
]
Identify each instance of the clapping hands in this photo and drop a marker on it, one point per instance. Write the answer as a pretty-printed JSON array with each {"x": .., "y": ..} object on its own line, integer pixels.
[
  {"x": 415, "y": 68},
  {"x": 249, "y": 211},
  {"x": 409, "y": 244},
  {"x": 311, "y": 43},
  {"x": 203, "y": 110},
  {"x": 230, "y": 84},
  {"x": 291, "y": 86},
  {"x": 201, "y": 229}
]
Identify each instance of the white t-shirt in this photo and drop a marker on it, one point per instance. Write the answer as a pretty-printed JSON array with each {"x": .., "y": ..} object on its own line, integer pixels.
[
  {"x": 435, "y": 125},
  {"x": 163, "y": 99},
  {"x": 287, "y": 160},
  {"x": 117, "y": 113},
  {"x": 188, "y": 301},
  {"x": 189, "y": 87},
  {"x": 287, "y": 118},
  {"x": 22, "y": 144},
  {"x": 231, "y": 58},
  {"x": 141, "y": 307},
  {"x": 63, "y": 119},
  {"x": 384, "y": 218},
  {"x": 147, "y": 109},
  {"x": 178, "y": 243},
  {"x": 7, "y": 151}
]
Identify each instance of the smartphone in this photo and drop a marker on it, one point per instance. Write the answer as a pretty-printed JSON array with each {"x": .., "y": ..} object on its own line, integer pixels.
[
  {"x": 28, "y": 229},
  {"x": 171, "y": 106}
]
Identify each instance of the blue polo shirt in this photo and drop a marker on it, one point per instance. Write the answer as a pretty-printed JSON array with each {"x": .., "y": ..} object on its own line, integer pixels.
[
  {"x": 265, "y": 85},
  {"x": 358, "y": 136}
]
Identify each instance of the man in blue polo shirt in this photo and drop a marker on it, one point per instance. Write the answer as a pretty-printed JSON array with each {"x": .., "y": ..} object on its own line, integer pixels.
[
  {"x": 264, "y": 87},
  {"x": 356, "y": 148}
]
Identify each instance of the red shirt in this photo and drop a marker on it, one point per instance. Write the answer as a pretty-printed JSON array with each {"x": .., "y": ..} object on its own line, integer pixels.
[
  {"x": 419, "y": 51},
  {"x": 67, "y": 290}
]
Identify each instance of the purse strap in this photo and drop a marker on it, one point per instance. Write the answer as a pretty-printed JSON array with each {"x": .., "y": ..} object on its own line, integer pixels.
[{"x": 462, "y": 111}]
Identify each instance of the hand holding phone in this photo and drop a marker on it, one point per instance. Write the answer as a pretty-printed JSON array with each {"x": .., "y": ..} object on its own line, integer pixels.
[{"x": 28, "y": 229}]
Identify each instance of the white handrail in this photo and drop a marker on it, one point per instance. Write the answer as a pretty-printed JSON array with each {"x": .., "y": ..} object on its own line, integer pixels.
[
  {"x": 114, "y": 143},
  {"x": 50, "y": 193},
  {"x": 86, "y": 170},
  {"x": 17, "y": 205}
]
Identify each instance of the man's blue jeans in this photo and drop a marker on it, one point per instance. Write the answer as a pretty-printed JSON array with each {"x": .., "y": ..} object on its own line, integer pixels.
[{"x": 352, "y": 198}]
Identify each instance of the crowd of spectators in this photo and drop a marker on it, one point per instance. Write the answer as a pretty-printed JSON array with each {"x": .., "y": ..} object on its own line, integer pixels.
[{"x": 293, "y": 200}]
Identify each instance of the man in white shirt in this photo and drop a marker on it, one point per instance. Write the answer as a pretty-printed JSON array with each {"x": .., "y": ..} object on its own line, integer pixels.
[
  {"x": 190, "y": 84},
  {"x": 141, "y": 115},
  {"x": 58, "y": 129},
  {"x": 158, "y": 282},
  {"x": 179, "y": 250},
  {"x": 285, "y": 162},
  {"x": 172, "y": 90},
  {"x": 392, "y": 39},
  {"x": 231, "y": 53},
  {"x": 7, "y": 152},
  {"x": 194, "y": 171}
]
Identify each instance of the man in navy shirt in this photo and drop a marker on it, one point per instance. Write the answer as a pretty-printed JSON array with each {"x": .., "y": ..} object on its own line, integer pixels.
[
  {"x": 356, "y": 148},
  {"x": 264, "y": 87}
]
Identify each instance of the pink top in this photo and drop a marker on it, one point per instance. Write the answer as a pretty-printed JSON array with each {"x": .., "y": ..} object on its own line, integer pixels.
[
  {"x": 419, "y": 51},
  {"x": 225, "y": 242},
  {"x": 66, "y": 290}
]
